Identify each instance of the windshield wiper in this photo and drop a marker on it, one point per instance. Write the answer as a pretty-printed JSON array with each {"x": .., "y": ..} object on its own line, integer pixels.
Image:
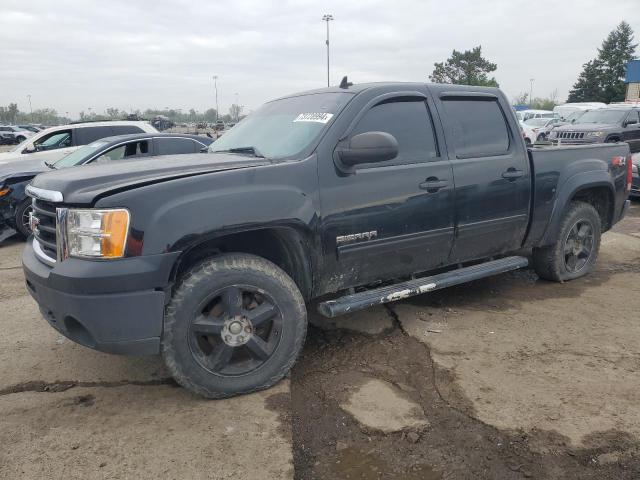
[
  {"x": 251, "y": 150},
  {"x": 50, "y": 165}
]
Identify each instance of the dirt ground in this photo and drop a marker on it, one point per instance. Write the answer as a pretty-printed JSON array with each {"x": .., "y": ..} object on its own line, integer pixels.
[{"x": 505, "y": 378}]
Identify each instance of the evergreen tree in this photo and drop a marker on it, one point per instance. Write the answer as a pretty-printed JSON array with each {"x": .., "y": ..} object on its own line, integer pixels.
[
  {"x": 587, "y": 88},
  {"x": 602, "y": 79},
  {"x": 465, "y": 68},
  {"x": 616, "y": 51}
]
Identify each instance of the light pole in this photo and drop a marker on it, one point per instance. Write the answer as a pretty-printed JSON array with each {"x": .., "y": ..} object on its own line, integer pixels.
[
  {"x": 30, "y": 107},
  {"x": 215, "y": 85},
  {"x": 531, "y": 92},
  {"x": 327, "y": 18},
  {"x": 237, "y": 108}
]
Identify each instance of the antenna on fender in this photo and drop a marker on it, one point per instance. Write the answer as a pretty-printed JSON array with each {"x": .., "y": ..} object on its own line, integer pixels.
[{"x": 345, "y": 83}]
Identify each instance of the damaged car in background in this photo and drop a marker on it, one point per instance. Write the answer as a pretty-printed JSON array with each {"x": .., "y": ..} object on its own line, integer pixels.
[{"x": 15, "y": 205}]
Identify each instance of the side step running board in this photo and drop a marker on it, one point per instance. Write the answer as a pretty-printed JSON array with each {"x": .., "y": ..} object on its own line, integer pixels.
[{"x": 398, "y": 291}]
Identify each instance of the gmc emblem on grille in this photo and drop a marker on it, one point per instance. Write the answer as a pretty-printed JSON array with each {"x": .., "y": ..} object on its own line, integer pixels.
[{"x": 33, "y": 222}]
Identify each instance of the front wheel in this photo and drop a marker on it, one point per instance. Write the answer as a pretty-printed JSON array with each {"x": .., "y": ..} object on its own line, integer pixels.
[
  {"x": 235, "y": 324},
  {"x": 22, "y": 218},
  {"x": 20, "y": 139},
  {"x": 575, "y": 250}
]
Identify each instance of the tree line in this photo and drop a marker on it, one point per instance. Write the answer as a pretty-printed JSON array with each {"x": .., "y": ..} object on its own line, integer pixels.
[{"x": 601, "y": 80}]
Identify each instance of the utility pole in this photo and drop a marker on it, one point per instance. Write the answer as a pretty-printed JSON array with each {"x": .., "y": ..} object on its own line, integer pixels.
[
  {"x": 30, "y": 107},
  {"x": 327, "y": 18},
  {"x": 237, "y": 108},
  {"x": 531, "y": 92},
  {"x": 215, "y": 85}
]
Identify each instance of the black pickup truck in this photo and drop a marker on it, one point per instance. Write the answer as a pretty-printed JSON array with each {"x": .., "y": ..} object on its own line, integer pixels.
[{"x": 349, "y": 196}]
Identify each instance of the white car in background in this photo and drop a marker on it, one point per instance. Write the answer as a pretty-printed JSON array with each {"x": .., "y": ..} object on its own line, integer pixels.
[
  {"x": 51, "y": 144},
  {"x": 564, "y": 111},
  {"x": 14, "y": 133},
  {"x": 537, "y": 129},
  {"x": 524, "y": 115}
]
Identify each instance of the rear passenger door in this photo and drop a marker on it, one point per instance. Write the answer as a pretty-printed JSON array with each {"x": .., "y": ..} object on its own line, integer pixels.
[
  {"x": 491, "y": 173},
  {"x": 389, "y": 218},
  {"x": 175, "y": 146},
  {"x": 87, "y": 135}
]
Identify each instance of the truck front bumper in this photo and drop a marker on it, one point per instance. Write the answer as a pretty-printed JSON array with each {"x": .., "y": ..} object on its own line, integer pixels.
[{"x": 114, "y": 306}]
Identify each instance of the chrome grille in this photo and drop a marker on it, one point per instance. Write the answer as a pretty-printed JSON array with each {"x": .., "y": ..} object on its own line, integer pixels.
[
  {"x": 570, "y": 135},
  {"x": 45, "y": 230}
]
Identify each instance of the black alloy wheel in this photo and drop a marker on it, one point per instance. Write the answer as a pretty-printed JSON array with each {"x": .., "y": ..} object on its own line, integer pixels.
[
  {"x": 578, "y": 246},
  {"x": 235, "y": 331}
]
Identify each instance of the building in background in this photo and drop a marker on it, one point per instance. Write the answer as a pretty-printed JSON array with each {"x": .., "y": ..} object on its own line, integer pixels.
[{"x": 632, "y": 80}]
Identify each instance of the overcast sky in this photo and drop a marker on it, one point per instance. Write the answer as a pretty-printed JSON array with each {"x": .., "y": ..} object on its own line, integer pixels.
[{"x": 72, "y": 55}]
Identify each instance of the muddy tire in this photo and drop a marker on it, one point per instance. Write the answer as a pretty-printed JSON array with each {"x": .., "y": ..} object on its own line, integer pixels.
[
  {"x": 575, "y": 251},
  {"x": 235, "y": 324},
  {"x": 21, "y": 218}
]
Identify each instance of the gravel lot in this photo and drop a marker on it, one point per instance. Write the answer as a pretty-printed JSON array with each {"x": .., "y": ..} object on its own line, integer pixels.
[{"x": 506, "y": 378}]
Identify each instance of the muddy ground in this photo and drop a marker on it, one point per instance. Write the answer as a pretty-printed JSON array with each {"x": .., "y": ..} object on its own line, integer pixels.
[{"x": 506, "y": 378}]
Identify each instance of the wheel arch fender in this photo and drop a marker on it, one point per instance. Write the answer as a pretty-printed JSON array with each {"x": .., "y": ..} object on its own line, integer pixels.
[{"x": 580, "y": 185}]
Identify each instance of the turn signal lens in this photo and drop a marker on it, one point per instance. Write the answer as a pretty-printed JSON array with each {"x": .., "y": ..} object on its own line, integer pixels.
[
  {"x": 4, "y": 191},
  {"x": 115, "y": 224}
]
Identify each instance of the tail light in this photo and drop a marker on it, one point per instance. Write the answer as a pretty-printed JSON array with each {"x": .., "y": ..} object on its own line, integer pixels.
[{"x": 629, "y": 172}]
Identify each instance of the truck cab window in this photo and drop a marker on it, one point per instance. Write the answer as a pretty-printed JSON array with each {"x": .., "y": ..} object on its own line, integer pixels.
[
  {"x": 478, "y": 127},
  {"x": 409, "y": 122}
]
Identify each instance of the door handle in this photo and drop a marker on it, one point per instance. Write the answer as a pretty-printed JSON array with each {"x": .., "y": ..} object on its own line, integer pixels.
[
  {"x": 433, "y": 184},
  {"x": 512, "y": 174}
]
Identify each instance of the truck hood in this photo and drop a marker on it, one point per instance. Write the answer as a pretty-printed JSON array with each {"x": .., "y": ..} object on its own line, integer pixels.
[
  {"x": 25, "y": 168},
  {"x": 83, "y": 185},
  {"x": 585, "y": 127}
]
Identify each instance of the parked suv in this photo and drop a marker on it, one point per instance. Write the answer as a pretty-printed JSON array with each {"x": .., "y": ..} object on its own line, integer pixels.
[
  {"x": 54, "y": 143},
  {"x": 604, "y": 125},
  {"x": 14, "y": 133},
  {"x": 352, "y": 197}
]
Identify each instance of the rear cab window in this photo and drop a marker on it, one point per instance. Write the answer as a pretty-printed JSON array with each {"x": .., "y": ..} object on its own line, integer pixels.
[{"x": 478, "y": 126}]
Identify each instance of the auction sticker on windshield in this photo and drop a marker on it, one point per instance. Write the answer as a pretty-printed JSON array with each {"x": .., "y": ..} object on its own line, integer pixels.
[{"x": 314, "y": 117}]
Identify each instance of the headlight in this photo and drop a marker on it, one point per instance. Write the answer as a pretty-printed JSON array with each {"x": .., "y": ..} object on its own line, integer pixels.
[
  {"x": 97, "y": 233},
  {"x": 553, "y": 134},
  {"x": 595, "y": 134}
]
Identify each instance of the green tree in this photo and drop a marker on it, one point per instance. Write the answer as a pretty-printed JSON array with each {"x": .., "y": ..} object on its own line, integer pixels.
[
  {"x": 521, "y": 99},
  {"x": 616, "y": 51},
  {"x": 602, "y": 79},
  {"x": 114, "y": 113},
  {"x": 587, "y": 87},
  {"x": 465, "y": 68}
]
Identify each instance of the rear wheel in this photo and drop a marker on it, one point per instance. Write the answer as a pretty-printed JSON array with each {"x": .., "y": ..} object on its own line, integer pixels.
[
  {"x": 575, "y": 251},
  {"x": 21, "y": 218},
  {"x": 20, "y": 138},
  {"x": 235, "y": 324}
]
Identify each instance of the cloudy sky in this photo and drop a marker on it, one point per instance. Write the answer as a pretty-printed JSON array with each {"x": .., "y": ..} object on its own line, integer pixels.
[{"x": 75, "y": 55}]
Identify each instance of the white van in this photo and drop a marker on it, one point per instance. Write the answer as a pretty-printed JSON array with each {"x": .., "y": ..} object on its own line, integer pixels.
[{"x": 563, "y": 111}]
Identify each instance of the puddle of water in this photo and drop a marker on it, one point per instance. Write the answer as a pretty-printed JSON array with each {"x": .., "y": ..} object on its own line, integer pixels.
[{"x": 354, "y": 464}]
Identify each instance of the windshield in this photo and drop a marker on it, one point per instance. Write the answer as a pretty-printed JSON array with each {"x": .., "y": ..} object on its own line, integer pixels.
[
  {"x": 283, "y": 128},
  {"x": 603, "y": 116},
  {"x": 81, "y": 154},
  {"x": 575, "y": 116},
  {"x": 537, "y": 122}
]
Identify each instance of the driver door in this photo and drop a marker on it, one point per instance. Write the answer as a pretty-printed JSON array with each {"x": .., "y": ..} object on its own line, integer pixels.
[{"x": 394, "y": 217}]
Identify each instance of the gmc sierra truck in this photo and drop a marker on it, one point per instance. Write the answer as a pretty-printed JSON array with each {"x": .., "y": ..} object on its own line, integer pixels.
[{"x": 349, "y": 197}]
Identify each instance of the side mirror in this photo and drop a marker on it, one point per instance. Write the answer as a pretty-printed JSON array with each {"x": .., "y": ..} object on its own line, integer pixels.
[
  {"x": 29, "y": 149},
  {"x": 369, "y": 147},
  {"x": 631, "y": 121}
]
